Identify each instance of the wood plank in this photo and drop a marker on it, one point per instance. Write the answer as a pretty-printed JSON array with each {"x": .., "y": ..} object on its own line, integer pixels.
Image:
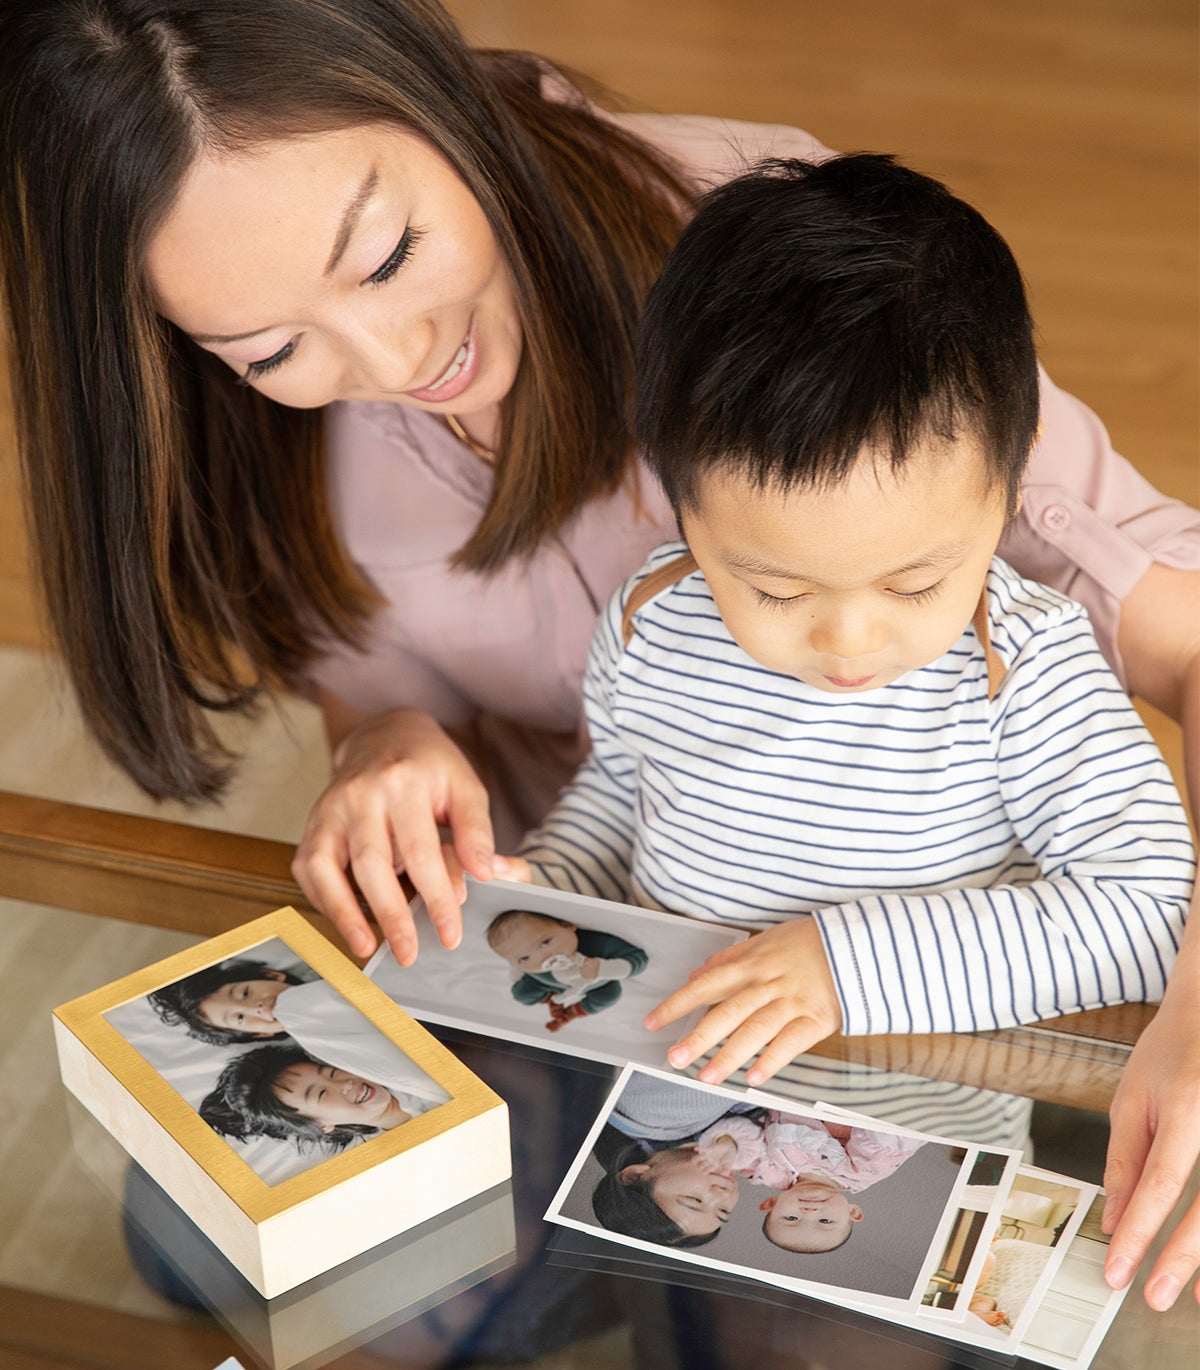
[
  {"x": 1073, "y": 1070},
  {"x": 41, "y": 1332},
  {"x": 143, "y": 870}
]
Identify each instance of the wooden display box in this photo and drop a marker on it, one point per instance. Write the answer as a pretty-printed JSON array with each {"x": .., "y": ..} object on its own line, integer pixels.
[{"x": 421, "y": 1133}]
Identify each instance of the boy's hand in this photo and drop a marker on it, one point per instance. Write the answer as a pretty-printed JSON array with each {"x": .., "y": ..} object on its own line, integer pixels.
[{"x": 772, "y": 994}]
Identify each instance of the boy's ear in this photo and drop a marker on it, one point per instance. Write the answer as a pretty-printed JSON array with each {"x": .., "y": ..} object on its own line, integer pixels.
[
  {"x": 271, "y": 974},
  {"x": 326, "y": 1128},
  {"x": 856, "y": 1213},
  {"x": 633, "y": 1174},
  {"x": 768, "y": 1203}
]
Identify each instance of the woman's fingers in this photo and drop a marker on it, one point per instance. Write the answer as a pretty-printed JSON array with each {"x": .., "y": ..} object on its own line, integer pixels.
[
  {"x": 471, "y": 827},
  {"x": 1147, "y": 1184},
  {"x": 322, "y": 877},
  {"x": 1177, "y": 1262}
]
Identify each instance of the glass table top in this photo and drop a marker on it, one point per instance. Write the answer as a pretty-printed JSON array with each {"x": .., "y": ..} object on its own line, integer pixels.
[{"x": 97, "y": 1263}]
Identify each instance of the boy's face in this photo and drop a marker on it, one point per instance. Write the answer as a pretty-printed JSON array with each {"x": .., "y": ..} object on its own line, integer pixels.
[
  {"x": 331, "y": 1097},
  {"x": 814, "y": 1215},
  {"x": 850, "y": 587},
  {"x": 693, "y": 1193},
  {"x": 528, "y": 941},
  {"x": 246, "y": 1005}
]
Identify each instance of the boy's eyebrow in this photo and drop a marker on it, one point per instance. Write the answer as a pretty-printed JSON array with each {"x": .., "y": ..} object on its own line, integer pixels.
[{"x": 935, "y": 557}]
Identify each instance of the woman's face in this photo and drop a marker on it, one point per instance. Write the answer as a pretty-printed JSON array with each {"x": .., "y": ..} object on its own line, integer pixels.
[
  {"x": 352, "y": 265},
  {"x": 690, "y": 1191},
  {"x": 334, "y": 1098}
]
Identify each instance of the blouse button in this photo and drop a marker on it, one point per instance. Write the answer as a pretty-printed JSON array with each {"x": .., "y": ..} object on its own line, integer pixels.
[{"x": 1056, "y": 517}]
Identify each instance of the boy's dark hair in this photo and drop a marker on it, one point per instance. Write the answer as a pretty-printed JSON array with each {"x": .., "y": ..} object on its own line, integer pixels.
[
  {"x": 810, "y": 309},
  {"x": 501, "y": 921},
  {"x": 630, "y": 1208},
  {"x": 243, "y": 1103},
  {"x": 179, "y": 1004}
]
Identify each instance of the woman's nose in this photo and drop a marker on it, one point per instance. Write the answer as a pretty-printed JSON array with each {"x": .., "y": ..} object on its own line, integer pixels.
[{"x": 390, "y": 355}]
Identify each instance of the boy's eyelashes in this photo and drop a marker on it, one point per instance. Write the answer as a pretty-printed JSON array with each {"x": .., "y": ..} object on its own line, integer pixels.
[{"x": 921, "y": 596}]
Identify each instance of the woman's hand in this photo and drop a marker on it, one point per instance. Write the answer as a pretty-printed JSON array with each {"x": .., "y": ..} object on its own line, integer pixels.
[
  {"x": 772, "y": 994},
  {"x": 1155, "y": 1138},
  {"x": 396, "y": 777},
  {"x": 1155, "y": 1112}
]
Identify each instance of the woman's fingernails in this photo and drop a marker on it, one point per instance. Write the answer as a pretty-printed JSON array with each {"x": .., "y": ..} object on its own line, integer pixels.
[
  {"x": 1119, "y": 1272},
  {"x": 678, "y": 1057},
  {"x": 1162, "y": 1292}
]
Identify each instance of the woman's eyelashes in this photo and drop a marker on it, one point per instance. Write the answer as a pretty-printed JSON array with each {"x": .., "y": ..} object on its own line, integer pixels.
[
  {"x": 400, "y": 254},
  {"x": 256, "y": 370},
  {"x": 380, "y": 276}
]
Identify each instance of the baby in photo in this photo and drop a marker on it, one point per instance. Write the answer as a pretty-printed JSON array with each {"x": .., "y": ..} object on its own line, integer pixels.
[
  {"x": 574, "y": 971},
  {"x": 813, "y": 1164}
]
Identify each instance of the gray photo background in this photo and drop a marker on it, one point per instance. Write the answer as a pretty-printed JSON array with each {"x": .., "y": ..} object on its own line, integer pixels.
[
  {"x": 883, "y": 1256},
  {"x": 471, "y": 986}
]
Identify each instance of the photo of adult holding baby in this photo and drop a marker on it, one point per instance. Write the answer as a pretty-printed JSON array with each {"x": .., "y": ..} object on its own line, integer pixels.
[
  {"x": 732, "y": 1184},
  {"x": 275, "y": 1059}
]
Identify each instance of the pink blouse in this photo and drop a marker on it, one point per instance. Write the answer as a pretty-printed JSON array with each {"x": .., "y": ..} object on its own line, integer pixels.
[{"x": 508, "y": 651}]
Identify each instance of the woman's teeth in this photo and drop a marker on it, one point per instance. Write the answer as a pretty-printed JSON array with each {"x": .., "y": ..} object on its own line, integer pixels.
[{"x": 452, "y": 370}]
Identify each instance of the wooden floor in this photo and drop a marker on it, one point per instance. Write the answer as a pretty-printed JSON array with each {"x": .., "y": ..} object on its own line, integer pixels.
[{"x": 1071, "y": 123}]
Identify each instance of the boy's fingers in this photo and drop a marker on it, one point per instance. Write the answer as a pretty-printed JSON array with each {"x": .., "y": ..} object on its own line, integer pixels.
[
  {"x": 796, "y": 1038},
  {"x": 706, "y": 987},
  {"x": 716, "y": 1025}
]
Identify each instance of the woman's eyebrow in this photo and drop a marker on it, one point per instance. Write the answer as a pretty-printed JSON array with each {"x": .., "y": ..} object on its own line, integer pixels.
[{"x": 350, "y": 217}]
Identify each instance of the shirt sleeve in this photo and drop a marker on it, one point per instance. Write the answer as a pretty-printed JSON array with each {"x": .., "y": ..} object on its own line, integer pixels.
[
  {"x": 585, "y": 844},
  {"x": 1090, "y": 526},
  {"x": 1093, "y": 805}
]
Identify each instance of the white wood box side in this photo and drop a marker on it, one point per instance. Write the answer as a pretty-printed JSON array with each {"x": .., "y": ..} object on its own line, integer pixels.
[
  {"x": 159, "y": 1154},
  {"x": 387, "y": 1199}
]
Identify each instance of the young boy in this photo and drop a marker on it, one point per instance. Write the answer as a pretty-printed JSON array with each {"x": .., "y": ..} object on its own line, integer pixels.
[
  {"x": 574, "y": 971},
  {"x": 834, "y": 701}
]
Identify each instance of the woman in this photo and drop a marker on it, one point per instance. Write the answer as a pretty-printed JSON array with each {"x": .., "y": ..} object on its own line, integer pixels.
[{"x": 424, "y": 267}]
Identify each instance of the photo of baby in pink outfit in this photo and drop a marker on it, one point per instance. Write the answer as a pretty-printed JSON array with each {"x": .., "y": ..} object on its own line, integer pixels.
[{"x": 813, "y": 1164}]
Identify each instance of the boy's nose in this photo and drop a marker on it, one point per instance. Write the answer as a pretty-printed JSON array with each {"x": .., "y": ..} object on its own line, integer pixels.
[{"x": 847, "y": 636}]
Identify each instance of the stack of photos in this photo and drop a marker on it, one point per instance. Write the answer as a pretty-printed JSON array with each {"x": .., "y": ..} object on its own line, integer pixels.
[
  {"x": 555, "y": 970},
  {"x": 942, "y": 1236}
]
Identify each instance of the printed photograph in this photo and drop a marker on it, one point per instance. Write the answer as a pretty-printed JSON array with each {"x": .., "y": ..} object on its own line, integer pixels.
[
  {"x": 276, "y": 1060},
  {"x": 799, "y": 1198},
  {"x": 1040, "y": 1216},
  {"x": 960, "y": 1264},
  {"x": 555, "y": 970}
]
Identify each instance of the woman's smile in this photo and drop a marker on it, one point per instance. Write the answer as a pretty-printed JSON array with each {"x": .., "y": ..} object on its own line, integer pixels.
[{"x": 351, "y": 265}]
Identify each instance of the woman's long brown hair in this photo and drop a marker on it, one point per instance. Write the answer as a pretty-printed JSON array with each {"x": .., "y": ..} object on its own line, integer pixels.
[{"x": 180, "y": 523}]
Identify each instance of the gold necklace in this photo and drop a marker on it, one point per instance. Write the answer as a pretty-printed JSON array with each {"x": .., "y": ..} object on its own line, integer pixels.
[{"x": 483, "y": 453}]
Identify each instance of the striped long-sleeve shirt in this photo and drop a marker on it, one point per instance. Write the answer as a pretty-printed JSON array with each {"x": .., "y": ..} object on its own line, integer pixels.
[{"x": 972, "y": 863}]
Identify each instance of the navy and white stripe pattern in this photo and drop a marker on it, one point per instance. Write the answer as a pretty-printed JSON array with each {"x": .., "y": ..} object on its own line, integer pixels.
[{"x": 972, "y": 863}]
